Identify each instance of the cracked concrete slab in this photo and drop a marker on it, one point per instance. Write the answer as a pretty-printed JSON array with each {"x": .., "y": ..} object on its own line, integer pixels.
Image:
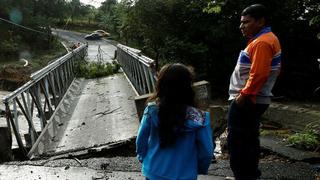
[{"x": 102, "y": 113}]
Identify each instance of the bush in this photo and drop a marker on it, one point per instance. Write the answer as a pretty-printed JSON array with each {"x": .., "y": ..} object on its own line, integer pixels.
[
  {"x": 9, "y": 48},
  {"x": 96, "y": 69}
]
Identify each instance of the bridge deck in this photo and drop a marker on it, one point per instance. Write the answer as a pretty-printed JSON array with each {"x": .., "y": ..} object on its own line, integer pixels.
[{"x": 96, "y": 113}]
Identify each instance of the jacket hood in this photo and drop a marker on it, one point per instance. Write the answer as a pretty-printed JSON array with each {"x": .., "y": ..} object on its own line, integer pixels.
[{"x": 195, "y": 118}]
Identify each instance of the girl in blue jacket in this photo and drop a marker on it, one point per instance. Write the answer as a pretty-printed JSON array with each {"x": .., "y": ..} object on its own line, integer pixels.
[{"x": 174, "y": 141}]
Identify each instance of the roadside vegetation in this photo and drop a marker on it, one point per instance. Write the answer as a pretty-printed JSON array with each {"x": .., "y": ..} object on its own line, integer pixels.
[
  {"x": 91, "y": 70},
  {"x": 14, "y": 73},
  {"x": 201, "y": 33},
  {"x": 308, "y": 139}
]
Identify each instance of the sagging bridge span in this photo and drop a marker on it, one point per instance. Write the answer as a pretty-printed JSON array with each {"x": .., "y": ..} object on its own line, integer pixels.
[
  {"x": 57, "y": 113},
  {"x": 50, "y": 115}
]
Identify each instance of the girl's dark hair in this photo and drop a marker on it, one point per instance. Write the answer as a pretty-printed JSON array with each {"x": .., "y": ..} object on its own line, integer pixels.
[{"x": 173, "y": 95}]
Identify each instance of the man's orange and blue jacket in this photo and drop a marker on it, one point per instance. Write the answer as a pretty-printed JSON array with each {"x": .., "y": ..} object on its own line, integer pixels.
[{"x": 257, "y": 68}]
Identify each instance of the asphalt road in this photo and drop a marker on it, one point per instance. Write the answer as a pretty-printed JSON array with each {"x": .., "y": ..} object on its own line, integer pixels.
[{"x": 107, "y": 49}]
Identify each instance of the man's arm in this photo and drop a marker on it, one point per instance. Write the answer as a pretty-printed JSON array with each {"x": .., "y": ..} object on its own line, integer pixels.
[{"x": 261, "y": 58}]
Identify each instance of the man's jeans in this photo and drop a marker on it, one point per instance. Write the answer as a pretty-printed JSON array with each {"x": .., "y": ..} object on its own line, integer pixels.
[{"x": 243, "y": 139}]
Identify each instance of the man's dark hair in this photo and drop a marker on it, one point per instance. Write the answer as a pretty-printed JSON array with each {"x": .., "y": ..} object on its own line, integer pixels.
[{"x": 257, "y": 11}]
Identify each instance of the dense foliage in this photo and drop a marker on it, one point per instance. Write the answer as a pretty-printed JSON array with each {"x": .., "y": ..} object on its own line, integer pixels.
[
  {"x": 26, "y": 25},
  {"x": 201, "y": 33},
  {"x": 205, "y": 34}
]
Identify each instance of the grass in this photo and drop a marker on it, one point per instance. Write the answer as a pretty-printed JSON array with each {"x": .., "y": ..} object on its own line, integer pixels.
[
  {"x": 308, "y": 139},
  {"x": 37, "y": 59},
  {"x": 281, "y": 133},
  {"x": 13, "y": 69},
  {"x": 80, "y": 26},
  {"x": 43, "y": 58}
]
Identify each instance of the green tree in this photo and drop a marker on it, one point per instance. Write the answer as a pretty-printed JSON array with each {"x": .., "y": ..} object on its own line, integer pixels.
[
  {"x": 124, "y": 20},
  {"x": 107, "y": 17},
  {"x": 205, "y": 34},
  {"x": 75, "y": 7},
  {"x": 90, "y": 13}
]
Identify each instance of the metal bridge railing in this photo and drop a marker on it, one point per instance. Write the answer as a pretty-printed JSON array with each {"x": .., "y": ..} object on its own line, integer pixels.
[
  {"x": 138, "y": 68},
  {"x": 38, "y": 98}
]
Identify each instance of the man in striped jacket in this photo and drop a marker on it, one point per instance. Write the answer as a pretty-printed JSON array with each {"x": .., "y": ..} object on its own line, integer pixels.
[{"x": 250, "y": 88}]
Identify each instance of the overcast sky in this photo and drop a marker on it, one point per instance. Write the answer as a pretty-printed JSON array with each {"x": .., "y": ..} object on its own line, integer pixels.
[{"x": 95, "y": 3}]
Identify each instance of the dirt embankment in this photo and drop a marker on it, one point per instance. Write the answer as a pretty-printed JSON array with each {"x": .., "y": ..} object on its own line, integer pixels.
[{"x": 12, "y": 77}]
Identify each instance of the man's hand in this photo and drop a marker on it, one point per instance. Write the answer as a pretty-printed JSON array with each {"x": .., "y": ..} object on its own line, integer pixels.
[{"x": 240, "y": 100}]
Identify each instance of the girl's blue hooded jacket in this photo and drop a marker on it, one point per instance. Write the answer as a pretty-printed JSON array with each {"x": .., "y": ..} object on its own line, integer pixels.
[{"x": 189, "y": 156}]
